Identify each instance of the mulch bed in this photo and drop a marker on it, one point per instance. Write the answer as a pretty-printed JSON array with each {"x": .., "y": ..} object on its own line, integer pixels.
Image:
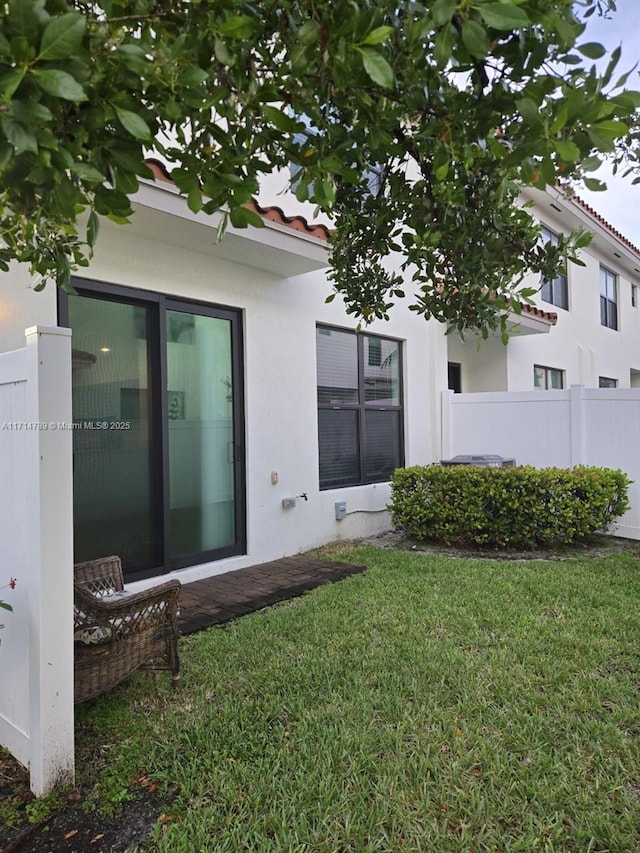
[
  {"x": 70, "y": 827},
  {"x": 599, "y": 546}
]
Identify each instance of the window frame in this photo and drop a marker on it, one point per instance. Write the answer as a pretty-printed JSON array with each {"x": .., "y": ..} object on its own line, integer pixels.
[
  {"x": 454, "y": 376},
  {"x": 608, "y": 306},
  {"x": 362, "y": 406},
  {"x": 607, "y": 382},
  {"x": 548, "y": 371},
  {"x": 554, "y": 291}
]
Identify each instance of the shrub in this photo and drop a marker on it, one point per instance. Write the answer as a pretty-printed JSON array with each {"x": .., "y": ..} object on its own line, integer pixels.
[{"x": 519, "y": 507}]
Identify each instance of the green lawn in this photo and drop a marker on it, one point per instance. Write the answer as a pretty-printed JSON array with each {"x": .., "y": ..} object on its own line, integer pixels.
[{"x": 431, "y": 704}]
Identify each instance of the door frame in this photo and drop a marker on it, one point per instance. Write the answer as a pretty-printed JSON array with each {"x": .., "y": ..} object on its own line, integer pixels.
[{"x": 159, "y": 464}]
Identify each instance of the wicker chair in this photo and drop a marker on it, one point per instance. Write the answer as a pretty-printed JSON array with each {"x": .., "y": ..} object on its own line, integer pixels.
[{"x": 116, "y": 633}]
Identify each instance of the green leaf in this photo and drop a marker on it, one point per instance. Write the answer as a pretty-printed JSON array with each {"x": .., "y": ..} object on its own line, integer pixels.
[
  {"x": 592, "y": 50},
  {"x": 594, "y": 185},
  {"x": 379, "y": 35},
  {"x": 59, "y": 84},
  {"x": 243, "y": 216},
  {"x": 133, "y": 124},
  {"x": 279, "y": 119},
  {"x": 93, "y": 226},
  {"x": 22, "y": 51},
  {"x": 62, "y": 38},
  {"x": 222, "y": 52},
  {"x": 612, "y": 129},
  {"x": 443, "y": 46},
  {"x": 194, "y": 199},
  {"x": 591, "y": 164},
  {"x": 443, "y": 11},
  {"x": 6, "y": 154},
  {"x": 442, "y": 171},
  {"x": 309, "y": 32},
  {"x": 629, "y": 99},
  {"x": 5, "y": 606},
  {"x": 87, "y": 172},
  {"x": 238, "y": 27},
  {"x": 21, "y": 137},
  {"x": 30, "y": 112},
  {"x": 23, "y": 20},
  {"x": 475, "y": 38},
  {"x": 9, "y": 83},
  {"x": 377, "y": 68},
  {"x": 568, "y": 150},
  {"x": 529, "y": 111},
  {"x": 502, "y": 16}
]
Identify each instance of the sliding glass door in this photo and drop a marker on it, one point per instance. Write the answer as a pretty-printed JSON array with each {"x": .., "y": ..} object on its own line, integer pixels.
[
  {"x": 202, "y": 446},
  {"x": 117, "y": 490},
  {"x": 158, "y": 426}
]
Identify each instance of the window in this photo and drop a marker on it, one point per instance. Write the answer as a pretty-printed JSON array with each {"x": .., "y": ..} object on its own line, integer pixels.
[
  {"x": 374, "y": 352},
  {"x": 372, "y": 175},
  {"x": 634, "y": 296},
  {"x": 555, "y": 291},
  {"x": 547, "y": 378},
  {"x": 454, "y": 375},
  {"x": 608, "y": 298},
  {"x": 360, "y": 416},
  {"x": 607, "y": 382}
]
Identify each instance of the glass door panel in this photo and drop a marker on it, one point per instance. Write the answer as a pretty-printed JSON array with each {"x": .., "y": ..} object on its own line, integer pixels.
[
  {"x": 116, "y": 494},
  {"x": 202, "y": 458}
]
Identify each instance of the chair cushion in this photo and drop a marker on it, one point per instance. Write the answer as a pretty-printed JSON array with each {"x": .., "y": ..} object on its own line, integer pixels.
[{"x": 93, "y": 635}]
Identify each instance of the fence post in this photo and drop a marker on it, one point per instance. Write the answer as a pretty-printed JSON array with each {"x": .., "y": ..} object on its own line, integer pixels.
[
  {"x": 576, "y": 417},
  {"x": 50, "y": 556},
  {"x": 445, "y": 424}
]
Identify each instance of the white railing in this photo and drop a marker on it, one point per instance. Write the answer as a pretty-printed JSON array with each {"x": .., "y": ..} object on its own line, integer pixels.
[
  {"x": 36, "y": 547},
  {"x": 595, "y": 426}
]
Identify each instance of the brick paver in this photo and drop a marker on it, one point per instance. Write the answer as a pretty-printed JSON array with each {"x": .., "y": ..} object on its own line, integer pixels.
[{"x": 216, "y": 600}]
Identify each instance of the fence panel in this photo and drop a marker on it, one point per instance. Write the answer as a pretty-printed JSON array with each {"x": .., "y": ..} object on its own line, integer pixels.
[
  {"x": 14, "y": 651},
  {"x": 36, "y": 547},
  {"x": 552, "y": 428},
  {"x": 533, "y": 428}
]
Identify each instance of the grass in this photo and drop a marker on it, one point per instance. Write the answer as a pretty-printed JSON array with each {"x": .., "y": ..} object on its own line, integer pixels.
[{"x": 432, "y": 704}]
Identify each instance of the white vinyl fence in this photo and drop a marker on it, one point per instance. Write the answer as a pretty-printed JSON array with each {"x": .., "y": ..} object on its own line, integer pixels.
[
  {"x": 579, "y": 426},
  {"x": 36, "y": 547}
]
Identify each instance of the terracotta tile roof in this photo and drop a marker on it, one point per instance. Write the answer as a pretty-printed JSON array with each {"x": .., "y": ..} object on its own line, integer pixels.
[
  {"x": 298, "y": 223},
  {"x": 271, "y": 214},
  {"x": 549, "y": 316},
  {"x": 574, "y": 198},
  {"x": 160, "y": 172},
  {"x": 610, "y": 228}
]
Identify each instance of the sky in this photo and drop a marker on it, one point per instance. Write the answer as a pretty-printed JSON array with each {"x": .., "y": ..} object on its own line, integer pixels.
[{"x": 620, "y": 204}]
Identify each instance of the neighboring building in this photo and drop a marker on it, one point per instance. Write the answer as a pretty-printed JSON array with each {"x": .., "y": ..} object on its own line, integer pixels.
[
  {"x": 592, "y": 315},
  {"x": 222, "y": 408}
]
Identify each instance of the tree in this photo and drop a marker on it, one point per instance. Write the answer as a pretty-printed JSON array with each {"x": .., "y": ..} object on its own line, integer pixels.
[{"x": 414, "y": 124}]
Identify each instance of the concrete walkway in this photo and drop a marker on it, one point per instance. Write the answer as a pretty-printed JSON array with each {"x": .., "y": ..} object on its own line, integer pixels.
[{"x": 220, "y": 599}]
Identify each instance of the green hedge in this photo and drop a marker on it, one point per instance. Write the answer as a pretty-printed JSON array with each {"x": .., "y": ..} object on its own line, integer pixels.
[{"x": 519, "y": 507}]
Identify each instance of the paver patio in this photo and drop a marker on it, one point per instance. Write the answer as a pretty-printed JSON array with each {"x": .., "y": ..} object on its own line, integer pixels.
[{"x": 216, "y": 600}]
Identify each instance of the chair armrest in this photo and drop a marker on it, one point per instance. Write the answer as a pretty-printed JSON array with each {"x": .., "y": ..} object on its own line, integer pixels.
[
  {"x": 156, "y": 605},
  {"x": 101, "y": 577}
]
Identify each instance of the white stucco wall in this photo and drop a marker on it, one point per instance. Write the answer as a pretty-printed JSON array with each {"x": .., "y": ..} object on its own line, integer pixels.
[
  {"x": 483, "y": 363},
  {"x": 279, "y": 316},
  {"x": 21, "y": 307},
  {"x": 578, "y": 344}
]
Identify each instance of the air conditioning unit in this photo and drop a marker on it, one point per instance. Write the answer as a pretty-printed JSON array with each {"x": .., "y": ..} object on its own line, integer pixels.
[{"x": 486, "y": 460}]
